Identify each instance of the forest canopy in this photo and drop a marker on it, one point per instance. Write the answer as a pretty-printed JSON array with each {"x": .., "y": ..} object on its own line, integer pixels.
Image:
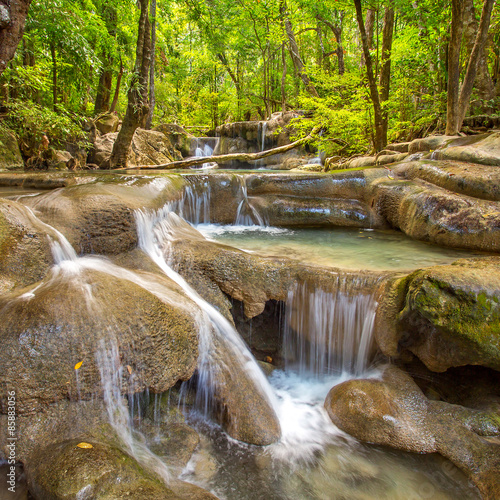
[{"x": 218, "y": 61}]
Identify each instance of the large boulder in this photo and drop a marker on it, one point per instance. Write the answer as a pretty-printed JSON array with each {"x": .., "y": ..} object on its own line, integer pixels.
[
  {"x": 430, "y": 213},
  {"x": 148, "y": 148},
  {"x": 484, "y": 149},
  {"x": 179, "y": 137},
  {"x": 10, "y": 155},
  {"x": 394, "y": 412},
  {"x": 66, "y": 471},
  {"x": 25, "y": 255},
  {"x": 451, "y": 315},
  {"x": 447, "y": 316},
  {"x": 106, "y": 320},
  {"x": 478, "y": 181},
  {"x": 107, "y": 123}
]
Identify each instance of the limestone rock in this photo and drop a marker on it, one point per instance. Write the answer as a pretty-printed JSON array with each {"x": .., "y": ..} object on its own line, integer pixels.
[
  {"x": 430, "y": 143},
  {"x": 148, "y": 148},
  {"x": 179, "y": 137},
  {"x": 107, "y": 123},
  {"x": 429, "y": 213},
  {"x": 10, "y": 155},
  {"x": 25, "y": 255},
  {"x": 451, "y": 315},
  {"x": 394, "y": 412},
  {"x": 65, "y": 471},
  {"x": 484, "y": 150},
  {"x": 87, "y": 317}
]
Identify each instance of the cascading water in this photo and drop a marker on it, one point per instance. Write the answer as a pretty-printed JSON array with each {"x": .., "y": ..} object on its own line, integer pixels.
[
  {"x": 329, "y": 332},
  {"x": 156, "y": 230},
  {"x": 246, "y": 215}
]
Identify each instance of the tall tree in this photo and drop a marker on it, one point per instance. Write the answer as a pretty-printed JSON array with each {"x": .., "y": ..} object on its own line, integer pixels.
[
  {"x": 380, "y": 116},
  {"x": 138, "y": 105},
  {"x": 152, "y": 97},
  {"x": 12, "y": 20}
]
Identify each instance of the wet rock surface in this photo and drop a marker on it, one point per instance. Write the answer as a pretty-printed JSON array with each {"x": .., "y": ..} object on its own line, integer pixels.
[
  {"x": 65, "y": 471},
  {"x": 393, "y": 411},
  {"x": 10, "y": 155},
  {"x": 156, "y": 338},
  {"x": 25, "y": 254}
]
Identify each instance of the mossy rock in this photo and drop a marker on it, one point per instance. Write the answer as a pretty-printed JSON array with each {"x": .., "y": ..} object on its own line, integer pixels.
[
  {"x": 64, "y": 471},
  {"x": 10, "y": 155},
  {"x": 451, "y": 315}
]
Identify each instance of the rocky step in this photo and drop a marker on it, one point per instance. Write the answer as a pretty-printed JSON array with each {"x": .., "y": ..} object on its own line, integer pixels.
[{"x": 478, "y": 181}]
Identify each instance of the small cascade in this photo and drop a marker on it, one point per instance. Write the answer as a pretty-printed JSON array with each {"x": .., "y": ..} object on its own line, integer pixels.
[
  {"x": 329, "y": 332},
  {"x": 194, "y": 205},
  {"x": 156, "y": 230},
  {"x": 247, "y": 214},
  {"x": 204, "y": 147}
]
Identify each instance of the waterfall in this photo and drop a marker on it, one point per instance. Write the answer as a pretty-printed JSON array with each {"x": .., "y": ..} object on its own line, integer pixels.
[
  {"x": 194, "y": 204},
  {"x": 204, "y": 150},
  {"x": 246, "y": 215},
  {"x": 328, "y": 332},
  {"x": 155, "y": 231}
]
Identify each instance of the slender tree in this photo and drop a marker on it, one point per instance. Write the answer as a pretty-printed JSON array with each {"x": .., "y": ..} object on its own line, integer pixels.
[
  {"x": 138, "y": 105},
  {"x": 152, "y": 97}
]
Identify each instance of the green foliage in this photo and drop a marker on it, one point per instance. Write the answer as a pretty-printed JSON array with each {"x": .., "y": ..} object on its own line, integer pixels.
[{"x": 30, "y": 122}]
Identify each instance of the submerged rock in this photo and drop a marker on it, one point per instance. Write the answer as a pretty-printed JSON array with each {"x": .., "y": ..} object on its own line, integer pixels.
[{"x": 394, "y": 412}]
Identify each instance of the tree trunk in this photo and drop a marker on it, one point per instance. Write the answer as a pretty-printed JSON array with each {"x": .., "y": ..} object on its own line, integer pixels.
[
  {"x": 454, "y": 67},
  {"x": 138, "y": 106},
  {"x": 475, "y": 56},
  {"x": 379, "y": 141},
  {"x": 385, "y": 74},
  {"x": 54, "y": 76},
  {"x": 104, "y": 87},
  {"x": 117, "y": 87},
  {"x": 199, "y": 160},
  {"x": 283, "y": 78},
  {"x": 294, "y": 52},
  {"x": 152, "y": 97},
  {"x": 11, "y": 28},
  {"x": 484, "y": 83},
  {"x": 369, "y": 25}
]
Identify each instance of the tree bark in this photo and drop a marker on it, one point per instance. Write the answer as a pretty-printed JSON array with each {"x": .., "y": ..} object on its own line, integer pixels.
[
  {"x": 484, "y": 83},
  {"x": 454, "y": 67},
  {"x": 369, "y": 25},
  {"x": 12, "y": 22},
  {"x": 54, "y": 75},
  {"x": 294, "y": 52},
  {"x": 117, "y": 88},
  {"x": 152, "y": 97},
  {"x": 475, "y": 56},
  {"x": 385, "y": 74},
  {"x": 138, "y": 105},
  {"x": 104, "y": 87},
  {"x": 379, "y": 141},
  {"x": 199, "y": 160}
]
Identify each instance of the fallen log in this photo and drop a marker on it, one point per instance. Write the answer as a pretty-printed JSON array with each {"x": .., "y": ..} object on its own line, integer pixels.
[{"x": 199, "y": 160}]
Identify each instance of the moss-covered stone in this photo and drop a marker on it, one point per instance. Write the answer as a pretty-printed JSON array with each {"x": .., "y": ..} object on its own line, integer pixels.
[{"x": 451, "y": 315}]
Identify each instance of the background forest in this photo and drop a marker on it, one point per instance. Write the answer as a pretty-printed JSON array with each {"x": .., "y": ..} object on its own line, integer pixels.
[{"x": 217, "y": 61}]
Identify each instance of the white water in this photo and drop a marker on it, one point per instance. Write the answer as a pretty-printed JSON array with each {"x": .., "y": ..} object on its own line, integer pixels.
[
  {"x": 246, "y": 215},
  {"x": 204, "y": 150},
  {"x": 329, "y": 332},
  {"x": 156, "y": 229}
]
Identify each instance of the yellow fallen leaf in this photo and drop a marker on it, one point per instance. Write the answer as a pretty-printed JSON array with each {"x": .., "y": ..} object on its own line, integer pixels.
[
  {"x": 85, "y": 446},
  {"x": 129, "y": 368},
  {"x": 78, "y": 365},
  {"x": 391, "y": 177}
]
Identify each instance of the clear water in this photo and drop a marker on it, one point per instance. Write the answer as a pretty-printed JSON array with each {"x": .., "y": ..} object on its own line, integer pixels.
[
  {"x": 346, "y": 248},
  {"x": 314, "y": 460}
]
